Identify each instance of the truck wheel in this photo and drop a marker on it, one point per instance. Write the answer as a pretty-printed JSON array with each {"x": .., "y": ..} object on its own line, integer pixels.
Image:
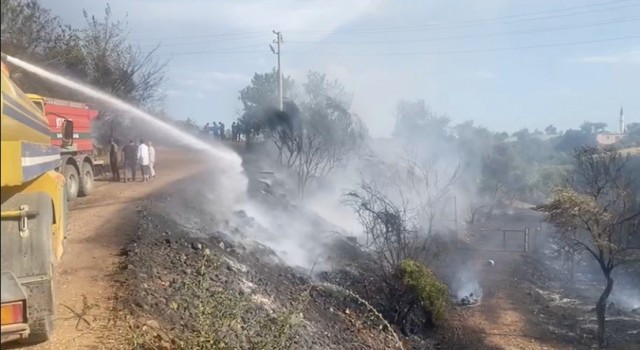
[
  {"x": 86, "y": 180},
  {"x": 72, "y": 181}
]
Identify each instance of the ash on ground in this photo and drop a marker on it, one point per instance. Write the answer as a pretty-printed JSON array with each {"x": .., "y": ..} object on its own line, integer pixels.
[
  {"x": 194, "y": 283},
  {"x": 469, "y": 300}
]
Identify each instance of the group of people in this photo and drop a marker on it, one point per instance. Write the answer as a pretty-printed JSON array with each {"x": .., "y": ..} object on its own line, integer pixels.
[
  {"x": 142, "y": 154},
  {"x": 235, "y": 132},
  {"x": 218, "y": 131}
]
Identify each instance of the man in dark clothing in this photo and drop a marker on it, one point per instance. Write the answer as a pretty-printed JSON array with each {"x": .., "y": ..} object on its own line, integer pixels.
[
  {"x": 130, "y": 154},
  {"x": 214, "y": 129},
  {"x": 114, "y": 161},
  {"x": 233, "y": 131},
  {"x": 221, "y": 130}
]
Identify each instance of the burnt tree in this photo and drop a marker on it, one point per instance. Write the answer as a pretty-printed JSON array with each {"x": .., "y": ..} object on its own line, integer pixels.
[{"x": 597, "y": 212}]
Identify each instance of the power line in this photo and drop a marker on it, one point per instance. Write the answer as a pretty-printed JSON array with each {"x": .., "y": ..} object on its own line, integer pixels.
[
  {"x": 445, "y": 38},
  {"x": 462, "y": 24},
  {"x": 462, "y": 37},
  {"x": 208, "y": 36},
  {"x": 515, "y": 48},
  {"x": 278, "y": 52},
  {"x": 221, "y": 59},
  {"x": 207, "y": 42},
  {"x": 249, "y": 34},
  {"x": 324, "y": 53},
  {"x": 232, "y": 48},
  {"x": 209, "y": 53}
]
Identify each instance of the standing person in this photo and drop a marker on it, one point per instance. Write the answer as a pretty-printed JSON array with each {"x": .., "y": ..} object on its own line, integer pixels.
[
  {"x": 233, "y": 132},
  {"x": 114, "y": 161},
  {"x": 221, "y": 129},
  {"x": 143, "y": 159},
  {"x": 130, "y": 155},
  {"x": 214, "y": 128},
  {"x": 152, "y": 160}
]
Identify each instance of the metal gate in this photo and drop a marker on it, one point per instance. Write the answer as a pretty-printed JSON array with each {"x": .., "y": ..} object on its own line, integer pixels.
[{"x": 501, "y": 240}]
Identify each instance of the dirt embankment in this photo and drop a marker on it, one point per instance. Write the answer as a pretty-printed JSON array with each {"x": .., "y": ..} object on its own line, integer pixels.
[
  {"x": 195, "y": 283},
  {"x": 100, "y": 227}
]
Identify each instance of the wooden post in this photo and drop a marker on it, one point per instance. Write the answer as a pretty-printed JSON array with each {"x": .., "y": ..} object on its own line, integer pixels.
[{"x": 504, "y": 240}]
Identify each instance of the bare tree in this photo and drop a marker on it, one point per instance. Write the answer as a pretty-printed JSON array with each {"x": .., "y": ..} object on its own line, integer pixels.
[
  {"x": 597, "y": 214},
  {"x": 330, "y": 134},
  {"x": 391, "y": 230},
  {"x": 399, "y": 227},
  {"x": 432, "y": 188},
  {"x": 114, "y": 65},
  {"x": 400, "y": 217}
]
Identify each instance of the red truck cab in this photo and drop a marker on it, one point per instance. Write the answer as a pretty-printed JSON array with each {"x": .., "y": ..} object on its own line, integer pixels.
[{"x": 78, "y": 160}]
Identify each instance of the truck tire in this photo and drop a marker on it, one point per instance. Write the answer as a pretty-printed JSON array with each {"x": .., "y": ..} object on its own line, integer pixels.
[
  {"x": 86, "y": 180},
  {"x": 72, "y": 181},
  {"x": 43, "y": 292}
]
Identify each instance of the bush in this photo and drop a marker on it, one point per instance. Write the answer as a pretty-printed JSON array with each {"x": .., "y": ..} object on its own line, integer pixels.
[{"x": 426, "y": 290}]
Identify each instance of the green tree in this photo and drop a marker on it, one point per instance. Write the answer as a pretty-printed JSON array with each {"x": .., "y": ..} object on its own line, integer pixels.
[
  {"x": 260, "y": 100},
  {"x": 312, "y": 136},
  {"x": 551, "y": 130},
  {"x": 98, "y": 54},
  {"x": 31, "y": 32},
  {"x": 416, "y": 122},
  {"x": 593, "y": 128},
  {"x": 573, "y": 139},
  {"x": 330, "y": 131},
  {"x": 632, "y": 138},
  {"x": 503, "y": 175}
]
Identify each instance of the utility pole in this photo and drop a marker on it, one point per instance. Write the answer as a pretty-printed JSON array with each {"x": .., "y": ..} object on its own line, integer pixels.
[
  {"x": 622, "y": 126},
  {"x": 278, "y": 41}
]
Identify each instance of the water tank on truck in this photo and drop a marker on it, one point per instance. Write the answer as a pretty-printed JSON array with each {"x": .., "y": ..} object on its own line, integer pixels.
[
  {"x": 78, "y": 161},
  {"x": 34, "y": 215}
]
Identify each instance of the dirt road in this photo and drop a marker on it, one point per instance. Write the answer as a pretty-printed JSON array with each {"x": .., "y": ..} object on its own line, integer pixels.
[
  {"x": 99, "y": 227},
  {"x": 503, "y": 318}
]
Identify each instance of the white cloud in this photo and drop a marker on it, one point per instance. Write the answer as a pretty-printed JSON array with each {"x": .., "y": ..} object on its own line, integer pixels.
[{"x": 632, "y": 56}]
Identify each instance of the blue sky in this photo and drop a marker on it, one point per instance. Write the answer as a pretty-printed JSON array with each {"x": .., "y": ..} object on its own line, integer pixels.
[{"x": 504, "y": 64}]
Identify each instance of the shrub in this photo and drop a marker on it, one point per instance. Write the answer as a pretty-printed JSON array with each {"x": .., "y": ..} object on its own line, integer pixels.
[{"x": 425, "y": 289}]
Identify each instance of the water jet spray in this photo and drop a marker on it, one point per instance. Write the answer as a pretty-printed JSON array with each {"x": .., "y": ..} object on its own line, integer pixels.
[
  {"x": 187, "y": 138},
  {"x": 227, "y": 159}
]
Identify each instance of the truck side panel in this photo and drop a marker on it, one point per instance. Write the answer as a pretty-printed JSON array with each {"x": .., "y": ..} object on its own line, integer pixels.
[
  {"x": 81, "y": 117},
  {"x": 52, "y": 184}
]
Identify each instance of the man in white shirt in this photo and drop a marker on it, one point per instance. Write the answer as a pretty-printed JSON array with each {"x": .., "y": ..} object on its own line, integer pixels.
[
  {"x": 152, "y": 160},
  {"x": 143, "y": 159}
]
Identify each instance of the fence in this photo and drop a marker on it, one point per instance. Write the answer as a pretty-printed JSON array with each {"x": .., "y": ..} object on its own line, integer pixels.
[{"x": 502, "y": 240}]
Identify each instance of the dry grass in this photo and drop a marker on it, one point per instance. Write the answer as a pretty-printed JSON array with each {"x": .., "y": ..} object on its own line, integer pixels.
[{"x": 220, "y": 320}]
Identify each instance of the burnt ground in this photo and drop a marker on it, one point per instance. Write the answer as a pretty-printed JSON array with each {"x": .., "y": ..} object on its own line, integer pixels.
[
  {"x": 192, "y": 280},
  {"x": 567, "y": 309},
  {"x": 193, "y": 287},
  {"x": 189, "y": 276}
]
